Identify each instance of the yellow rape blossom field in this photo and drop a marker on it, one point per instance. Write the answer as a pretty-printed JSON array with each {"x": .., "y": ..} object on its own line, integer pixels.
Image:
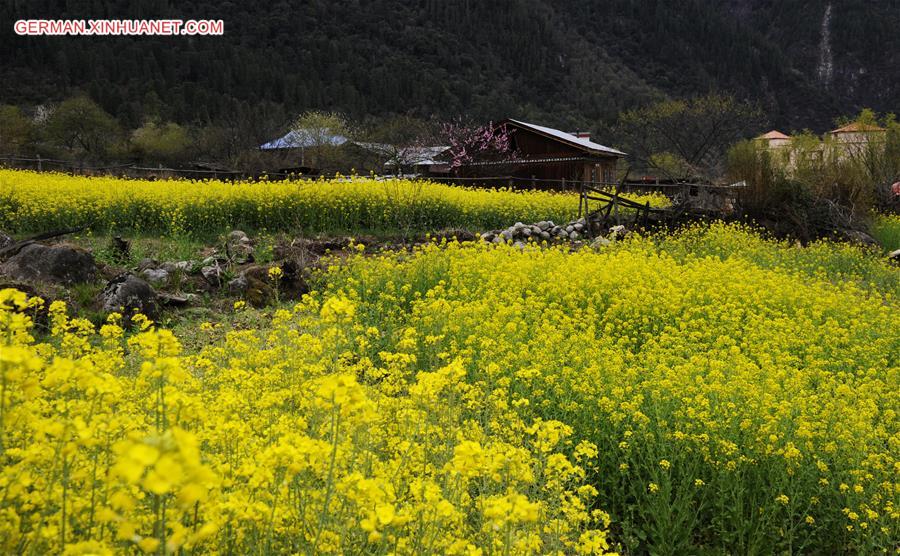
[
  {"x": 707, "y": 392},
  {"x": 37, "y": 202}
]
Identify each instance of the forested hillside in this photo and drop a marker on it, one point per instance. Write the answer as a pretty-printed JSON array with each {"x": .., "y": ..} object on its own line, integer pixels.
[{"x": 567, "y": 62}]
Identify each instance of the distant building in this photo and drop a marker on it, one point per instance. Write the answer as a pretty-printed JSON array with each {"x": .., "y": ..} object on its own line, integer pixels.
[
  {"x": 774, "y": 140},
  {"x": 843, "y": 142},
  {"x": 545, "y": 158},
  {"x": 406, "y": 160},
  {"x": 856, "y": 136},
  {"x": 304, "y": 139},
  {"x": 302, "y": 151}
]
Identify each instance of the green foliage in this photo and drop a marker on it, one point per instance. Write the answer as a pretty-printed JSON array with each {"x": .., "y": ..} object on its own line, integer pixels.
[
  {"x": 319, "y": 132},
  {"x": 80, "y": 126},
  {"x": 16, "y": 130},
  {"x": 886, "y": 229},
  {"x": 167, "y": 142}
]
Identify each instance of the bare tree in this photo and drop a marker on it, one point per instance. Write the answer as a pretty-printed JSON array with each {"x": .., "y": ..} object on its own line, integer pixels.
[{"x": 696, "y": 133}]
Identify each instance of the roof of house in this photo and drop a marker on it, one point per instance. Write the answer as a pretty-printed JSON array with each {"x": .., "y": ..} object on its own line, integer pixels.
[
  {"x": 301, "y": 138},
  {"x": 857, "y": 127},
  {"x": 579, "y": 142},
  {"x": 424, "y": 156},
  {"x": 774, "y": 134}
]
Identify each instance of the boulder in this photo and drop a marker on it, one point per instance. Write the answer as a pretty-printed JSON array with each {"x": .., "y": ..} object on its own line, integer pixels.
[
  {"x": 146, "y": 263},
  {"x": 618, "y": 232},
  {"x": 172, "y": 300},
  {"x": 156, "y": 276},
  {"x": 55, "y": 264},
  {"x": 894, "y": 256},
  {"x": 213, "y": 274},
  {"x": 238, "y": 247},
  {"x": 129, "y": 295},
  {"x": 600, "y": 242},
  {"x": 255, "y": 285},
  {"x": 238, "y": 285},
  {"x": 184, "y": 266},
  {"x": 458, "y": 234},
  {"x": 5, "y": 240}
]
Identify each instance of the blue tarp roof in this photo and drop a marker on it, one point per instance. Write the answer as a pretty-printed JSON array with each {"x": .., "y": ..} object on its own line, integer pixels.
[{"x": 298, "y": 139}]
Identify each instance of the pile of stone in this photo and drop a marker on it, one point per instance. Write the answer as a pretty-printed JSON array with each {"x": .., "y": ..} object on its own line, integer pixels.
[
  {"x": 576, "y": 232},
  {"x": 545, "y": 230}
]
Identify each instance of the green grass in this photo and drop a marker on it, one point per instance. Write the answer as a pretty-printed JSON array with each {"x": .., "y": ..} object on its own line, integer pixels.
[{"x": 886, "y": 229}]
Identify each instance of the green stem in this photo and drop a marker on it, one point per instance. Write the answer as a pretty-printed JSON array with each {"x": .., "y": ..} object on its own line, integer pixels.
[{"x": 335, "y": 420}]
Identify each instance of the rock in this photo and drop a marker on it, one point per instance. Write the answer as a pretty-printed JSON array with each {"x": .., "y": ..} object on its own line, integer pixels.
[
  {"x": 894, "y": 256},
  {"x": 600, "y": 242},
  {"x": 570, "y": 228},
  {"x": 519, "y": 245},
  {"x": 545, "y": 235},
  {"x": 213, "y": 274},
  {"x": 185, "y": 266},
  {"x": 451, "y": 234},
  {"x": 238, "y": 285},
  {"x": 574, "y": 235},
  {"x": 497, "y": 239},
  {"x": 129, "y": 295},
  {"x": 526, "y": 232},
  {"x": 146, "y": 263},
  {"x": 214, "y": 260},
  {"x": 238, "y": 247},
  {"x": 56, "y": 264},
  {"x": 255, "y": 285},
  {"x": 544, "y": 225},
  {"x": 618, "y": 232},
  {"x": 487, "y": 236},
  {"x": 578, "y": 227},
  {"x": 5, "y": 240},
  {"x": 171, "y": 300},
  {"x": 156, "y": 276}
]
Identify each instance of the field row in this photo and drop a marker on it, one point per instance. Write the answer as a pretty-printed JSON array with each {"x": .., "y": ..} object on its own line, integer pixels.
[
  {"x": 711, "y": 392},
  {"x": 34, "y": 202}
]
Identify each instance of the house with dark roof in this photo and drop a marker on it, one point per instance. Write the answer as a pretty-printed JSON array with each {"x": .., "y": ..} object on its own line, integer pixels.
[{"x": 546, "y": 158}]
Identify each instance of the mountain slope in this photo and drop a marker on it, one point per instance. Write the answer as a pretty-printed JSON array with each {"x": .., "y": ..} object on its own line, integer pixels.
[{"x": 566, "y": 62}]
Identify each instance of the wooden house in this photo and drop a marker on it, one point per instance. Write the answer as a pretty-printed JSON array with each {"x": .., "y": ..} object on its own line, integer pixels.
[{"x": 546, "y": 158}]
